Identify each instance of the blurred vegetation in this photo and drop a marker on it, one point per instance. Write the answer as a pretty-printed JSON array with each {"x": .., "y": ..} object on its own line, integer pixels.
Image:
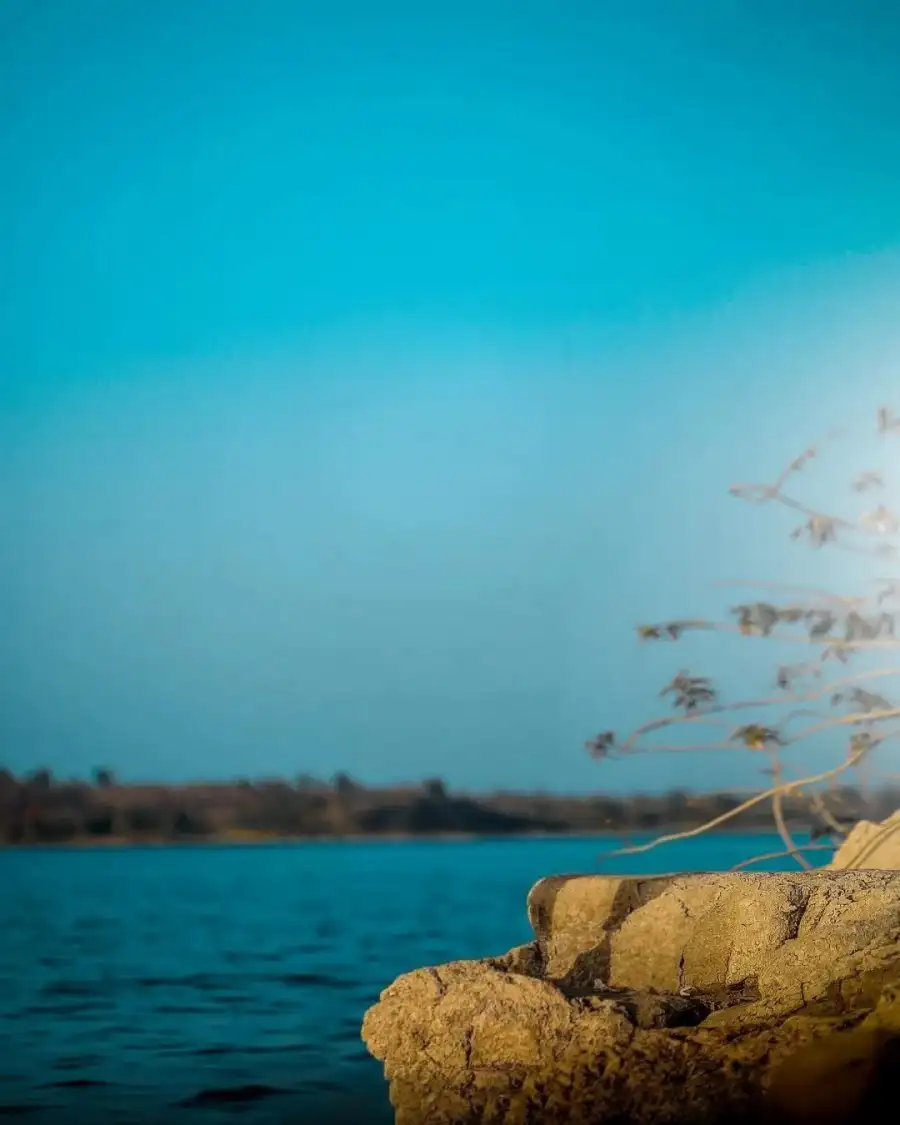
[
  {"x": 851, "y": 638},
  {"x": 37, "y": 808}
]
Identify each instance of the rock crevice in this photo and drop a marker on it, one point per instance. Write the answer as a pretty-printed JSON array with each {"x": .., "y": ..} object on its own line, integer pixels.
[{"x": 674, "y": 999}]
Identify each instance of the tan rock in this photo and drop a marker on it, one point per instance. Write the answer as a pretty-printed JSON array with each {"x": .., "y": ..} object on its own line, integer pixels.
[
  {"x": 871, "y": 846},
  {"x": 654, "y": 1000}
]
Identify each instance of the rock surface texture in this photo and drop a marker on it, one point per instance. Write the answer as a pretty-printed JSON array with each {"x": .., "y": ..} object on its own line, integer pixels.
[
  {"x": 686, "y": 998},
  {"x": 871, "y": 845}
]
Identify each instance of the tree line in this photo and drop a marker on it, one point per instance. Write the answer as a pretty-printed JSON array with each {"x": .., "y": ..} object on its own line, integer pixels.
[{"x": 38, "y": 808}]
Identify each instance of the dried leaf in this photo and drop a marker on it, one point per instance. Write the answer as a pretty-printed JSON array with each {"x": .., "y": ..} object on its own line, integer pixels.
[
  {"x": 690, "y": 692},
  {"x": 866, "y": 481},
  {"x": 649, "y": 632},
  {"x": 601, "y": 744},
  {"x": 821, "y": 623},
  {"x": 869, "y": 701},
  {"x": 757, "y": 617},
  {"x": 861, "y": 743},
  {"x": 757, "y": 737},
  {"x": 881, "y": 520}
]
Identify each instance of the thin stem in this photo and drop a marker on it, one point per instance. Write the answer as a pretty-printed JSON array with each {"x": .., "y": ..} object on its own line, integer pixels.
[
  {"x": 804, "y": 509},
  {"x": 703, "y": 720},
  {"x": 783, "y": 855},
  {"x": 748, "y": 704},
  {"x": 792, "y": 638},
  {"x": 856, "y": 718},
  {"x": 701, "y": 624},
  {"x": 822, "y": 530},
  {"x": 853, "y": 719},
  {"x": 815, "y": 799},
  {"x": 813, "y": 591},
  {"x": 778, "y": 812},
  {"x": 750, "y": 803}
]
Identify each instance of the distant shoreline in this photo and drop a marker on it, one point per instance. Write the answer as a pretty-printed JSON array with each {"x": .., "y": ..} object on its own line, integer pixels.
[
  {"x": 265, "y": 840},
  {"x": 38, "y": 810}
]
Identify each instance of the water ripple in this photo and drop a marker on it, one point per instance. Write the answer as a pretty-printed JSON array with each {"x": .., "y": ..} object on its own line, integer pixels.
[
  {"x": 128, "y": 972},
  {"x": 229, "y": 1095}
]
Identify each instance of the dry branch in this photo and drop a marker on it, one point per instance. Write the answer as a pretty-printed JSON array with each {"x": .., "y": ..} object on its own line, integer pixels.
[{"x": 838, "y": 627}]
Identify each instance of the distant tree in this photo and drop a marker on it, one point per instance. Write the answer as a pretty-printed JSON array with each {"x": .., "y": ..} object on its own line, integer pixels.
[
  {"x": 344, "y": 784},
  {"x": 840, "y": 630},
  {"x": 40, "y": 779},
  {"x": 104, "y": 778},
  {"x": 100, "y": 823},
  {"x": 53, "y": 830},
  {"x": 273, "y": 786},
  {"x": 435, "y": 789},
  {"x": 187, "y": 824},
  {"x": 145, "y": 818},
  {"x": 675, "y": 806}
]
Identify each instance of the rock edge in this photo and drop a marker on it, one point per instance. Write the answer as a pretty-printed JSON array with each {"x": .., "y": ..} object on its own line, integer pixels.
[{"x": 685, "y": 998}]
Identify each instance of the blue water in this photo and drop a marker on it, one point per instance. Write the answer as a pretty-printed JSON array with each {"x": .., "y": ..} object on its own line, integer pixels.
[{"x": 133, "y": 980}]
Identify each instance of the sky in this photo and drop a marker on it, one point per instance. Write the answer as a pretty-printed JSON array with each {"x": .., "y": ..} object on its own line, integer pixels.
[{"x": 368, "y": 371}]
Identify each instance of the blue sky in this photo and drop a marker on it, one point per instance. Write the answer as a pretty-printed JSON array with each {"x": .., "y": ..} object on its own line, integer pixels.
[{"x": 367, "y": 371}]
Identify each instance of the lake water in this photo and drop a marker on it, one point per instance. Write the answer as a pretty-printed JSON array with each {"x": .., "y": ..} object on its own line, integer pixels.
[{"x": 152, "y": 984}]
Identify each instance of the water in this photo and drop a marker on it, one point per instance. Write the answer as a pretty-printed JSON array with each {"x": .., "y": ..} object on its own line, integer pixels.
[{"x": 212, "y": 984}]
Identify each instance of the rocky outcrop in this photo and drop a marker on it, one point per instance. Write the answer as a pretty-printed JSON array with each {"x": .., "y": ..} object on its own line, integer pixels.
[
  {"x": 874, "y": 846},
  {"x": 688, "y": 998}
]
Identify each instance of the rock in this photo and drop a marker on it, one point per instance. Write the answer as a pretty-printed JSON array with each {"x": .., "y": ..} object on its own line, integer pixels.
[
  {"x": 689, "y": 998},
  {"x": 871, "y": 846},
  {"x": 848, "y": 1076}
]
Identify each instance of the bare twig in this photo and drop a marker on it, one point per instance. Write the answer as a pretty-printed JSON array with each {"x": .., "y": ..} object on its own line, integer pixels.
[
  {"x": 723, "y": 818},
  {"x": 824, "y": 814},
  {"x": 767, "y": 856},
  {"x": 778, "y": 812},
  {"x": 707, "y": 716},
  {"x": 789, "y": 588},
  {"x": 838, "y": 627},
  {"x": 827, "y": 639},
  {"x": 857, "y": 718}
]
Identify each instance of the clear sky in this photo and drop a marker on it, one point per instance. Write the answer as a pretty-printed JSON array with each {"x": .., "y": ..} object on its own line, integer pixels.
[{"x": 367, "y": 370}]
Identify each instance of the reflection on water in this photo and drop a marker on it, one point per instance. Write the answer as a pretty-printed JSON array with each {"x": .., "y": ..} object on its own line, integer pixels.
[{"x": 197, "y": 983}]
